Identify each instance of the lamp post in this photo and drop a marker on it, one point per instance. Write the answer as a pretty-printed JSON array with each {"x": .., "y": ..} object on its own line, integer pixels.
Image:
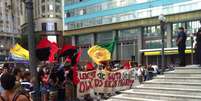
[
  {"x": 31, "y": 46},
  {"x": 162, "y": 27}
]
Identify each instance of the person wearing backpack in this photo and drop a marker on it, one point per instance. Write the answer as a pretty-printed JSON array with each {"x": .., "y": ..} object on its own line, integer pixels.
[{"x": 10, "y": 94}]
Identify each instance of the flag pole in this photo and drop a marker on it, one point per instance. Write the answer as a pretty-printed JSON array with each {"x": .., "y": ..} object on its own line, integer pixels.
[{"x": 31, "y": 45}]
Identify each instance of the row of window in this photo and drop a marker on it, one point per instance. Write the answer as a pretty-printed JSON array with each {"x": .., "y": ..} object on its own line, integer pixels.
[
  {"x": 50, "y": 26},
  {"x": 53, "y": 9},
  {"x": 70, "y": 2},
  {"x": 57, "y": 1},
  {"x": 138, "y": 14},
  {"x": 102, "y": 6}
]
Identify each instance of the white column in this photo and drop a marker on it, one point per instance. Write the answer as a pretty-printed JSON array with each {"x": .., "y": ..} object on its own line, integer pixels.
[
  {"x": 169, "y": 36},
  {"x": 115, "y": 34},
  {"x": 139, "y": 46}
]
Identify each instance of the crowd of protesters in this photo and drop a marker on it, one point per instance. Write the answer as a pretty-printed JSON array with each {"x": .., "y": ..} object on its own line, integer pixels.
[{"x": 56, "y": 80}]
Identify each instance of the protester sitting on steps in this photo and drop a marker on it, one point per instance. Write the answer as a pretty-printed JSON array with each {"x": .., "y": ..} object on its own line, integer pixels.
[{"x": 10, "y": 93}]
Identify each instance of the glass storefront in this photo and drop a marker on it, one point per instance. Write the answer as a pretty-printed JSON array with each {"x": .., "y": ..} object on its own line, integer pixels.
[
  {"x": 127, "y": 45},
  {"x": 84, "y": 42},
  {"x": 104, "y": 37},
  {"x": 152, "y": 37}
]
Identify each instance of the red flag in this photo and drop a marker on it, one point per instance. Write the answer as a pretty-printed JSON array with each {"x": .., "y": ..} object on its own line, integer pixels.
[
  {"x": 44, "y": 43},
  {"x": 65, "y": 50},
  {"x": 43, "y": 49},
  {"x": 53, "y": 51},
  {"x": 72, "y": 54},
  {"x": 76, "y": 80}
]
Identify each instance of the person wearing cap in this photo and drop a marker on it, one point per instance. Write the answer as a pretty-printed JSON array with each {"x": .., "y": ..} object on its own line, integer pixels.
[
  {"x": 181, "y": 43},
  {"x": 198, "y": 46}
]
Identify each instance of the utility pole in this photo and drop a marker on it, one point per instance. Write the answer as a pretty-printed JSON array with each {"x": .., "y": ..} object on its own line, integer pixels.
[
  {"x": 162, "y": 27},
  {"x": 31, "y": 45}
]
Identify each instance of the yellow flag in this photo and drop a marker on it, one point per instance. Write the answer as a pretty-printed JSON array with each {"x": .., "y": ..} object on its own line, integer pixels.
[{"x": 18, "y": 50}]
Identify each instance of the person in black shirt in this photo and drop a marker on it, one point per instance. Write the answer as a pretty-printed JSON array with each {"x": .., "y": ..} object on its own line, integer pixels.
[
  {"x": 198, "y": 46},
  {"x": 181, "y": 43}
]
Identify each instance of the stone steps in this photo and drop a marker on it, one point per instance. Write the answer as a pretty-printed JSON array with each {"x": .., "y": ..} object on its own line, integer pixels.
[
  {"x": 182, "y": 84},
  {"x": 162, "y": 96},
  {"x": 173, "y": 85},
  {"x": 184, "y": 74},
  {"x": 124, "y": 98},
  {"x": 177, "y": 79},
  {"x": 192, "y": 92},
  {"x": 188, "y": 69}
]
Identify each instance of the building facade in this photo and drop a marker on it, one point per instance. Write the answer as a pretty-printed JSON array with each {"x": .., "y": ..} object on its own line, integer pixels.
[
  {"x": 9, "y": 25},
  {"x": 47, "y": 18},
  {"x": 134, "y": 22}
]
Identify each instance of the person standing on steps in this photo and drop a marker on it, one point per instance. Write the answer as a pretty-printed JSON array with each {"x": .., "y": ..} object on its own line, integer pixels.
[
  {"x": 181, "y": 43},
  {"x": 198, "y": 46}
]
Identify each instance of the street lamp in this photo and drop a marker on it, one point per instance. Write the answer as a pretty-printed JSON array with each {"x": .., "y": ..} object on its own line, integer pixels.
[
  {"x": 162, "y": 27},
  {"x": 31, "y": 45}
]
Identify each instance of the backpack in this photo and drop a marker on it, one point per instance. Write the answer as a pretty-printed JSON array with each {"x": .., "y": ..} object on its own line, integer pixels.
[
  {"x": 1, "y": 97},
  {"x": 21, "y": 93}
]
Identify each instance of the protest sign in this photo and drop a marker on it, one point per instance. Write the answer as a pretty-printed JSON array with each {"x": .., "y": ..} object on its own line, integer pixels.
[{"x": 103, "y": 81}]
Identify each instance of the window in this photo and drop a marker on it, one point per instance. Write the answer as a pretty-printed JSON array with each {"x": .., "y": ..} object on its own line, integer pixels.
[
  {"x": 58, "y": 1},
  {"x": 50, "y": 26},
  {"x": 58, "y": 8},
  {"x": 129, "y": 34},
  {"x": 51, "y": 7},
  {"x": 175, "y": 28},
  {"x": 152, "y": 31},
  {"x": 105, "y": 37},
  {"x": 43, "y": 1},
  {"x": 44, "y": 26},
  {"x": 127, "y": 50},
  {"x": 67, "y": 14},
  {"x": 43, "y": 9},
  {"x": 85, "y": 39},
  {"x": 151, "y": 44}
]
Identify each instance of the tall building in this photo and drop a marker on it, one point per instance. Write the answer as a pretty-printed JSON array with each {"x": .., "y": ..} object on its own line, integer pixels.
[
  {"x": 9, "y": 25},
  {"x": 47, "y": 19},
  {"x": 134, "y": 22}
]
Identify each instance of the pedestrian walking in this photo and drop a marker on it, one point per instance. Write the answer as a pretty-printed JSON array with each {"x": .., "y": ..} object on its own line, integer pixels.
[
  {"x": 198, "y": 46},
  {"x": 181, "y": 43}
]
